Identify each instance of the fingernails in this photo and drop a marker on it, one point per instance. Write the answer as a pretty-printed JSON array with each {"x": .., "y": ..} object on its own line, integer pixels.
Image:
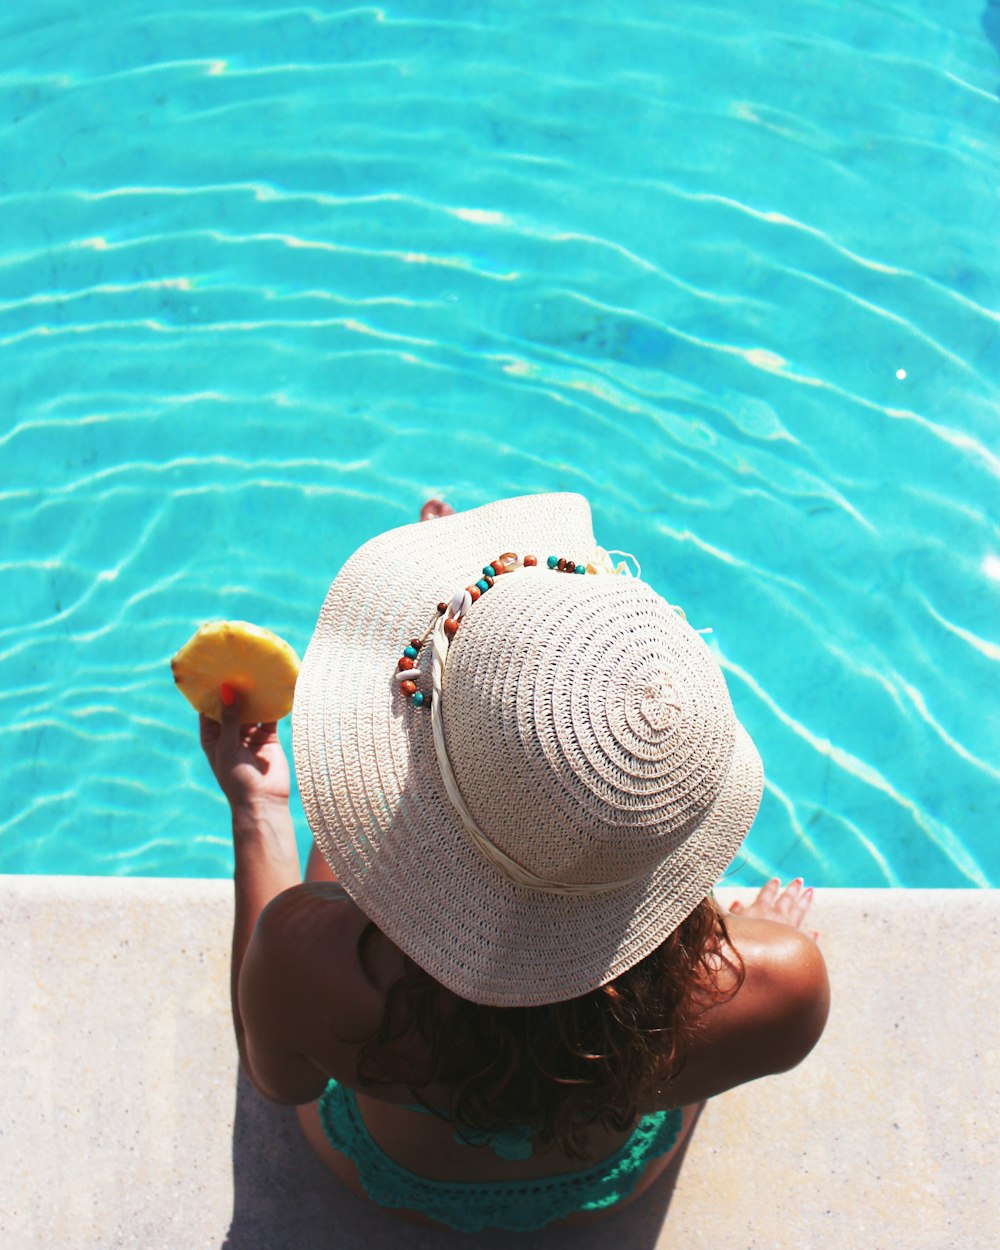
[
  {"x": 228, "y": 694},
  {"x": 808, "y": 893},
  {"x": 798, "y": 881}
]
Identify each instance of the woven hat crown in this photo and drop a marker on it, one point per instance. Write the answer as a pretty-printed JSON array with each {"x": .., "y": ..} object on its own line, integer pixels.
[{"x": 588, "y": 726}]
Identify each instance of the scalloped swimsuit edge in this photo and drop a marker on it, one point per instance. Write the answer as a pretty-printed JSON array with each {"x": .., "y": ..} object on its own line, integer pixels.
[{"x": 514, "y": 1206}]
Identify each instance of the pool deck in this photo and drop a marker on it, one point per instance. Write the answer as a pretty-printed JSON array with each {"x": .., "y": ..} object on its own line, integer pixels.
[{"x": 124, "y": 1122}]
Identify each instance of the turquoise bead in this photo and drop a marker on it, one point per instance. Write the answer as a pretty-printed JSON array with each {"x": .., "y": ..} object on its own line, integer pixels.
[
  {"x": 489, "y": 570},
  {"x": 418, "y": 698},
  {"x": 580, "y": 568},
  {"x": 410, "y": 652},
  {"x": 483, "y": 585},
  {"x": 552, "y": 561}
]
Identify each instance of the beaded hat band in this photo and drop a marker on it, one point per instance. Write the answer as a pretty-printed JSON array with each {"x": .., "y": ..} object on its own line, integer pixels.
[{"x": 449, "y": 616}]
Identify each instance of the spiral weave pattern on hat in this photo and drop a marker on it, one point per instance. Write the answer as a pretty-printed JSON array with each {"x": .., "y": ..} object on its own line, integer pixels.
[{"x": 588, "y": 727}]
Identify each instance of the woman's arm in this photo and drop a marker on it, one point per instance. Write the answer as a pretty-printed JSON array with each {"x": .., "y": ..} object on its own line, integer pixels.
[{"x": 252, "y": 771}]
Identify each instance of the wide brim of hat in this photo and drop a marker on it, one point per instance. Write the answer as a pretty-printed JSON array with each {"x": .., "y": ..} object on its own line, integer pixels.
[{"x": 377, "y": 806}]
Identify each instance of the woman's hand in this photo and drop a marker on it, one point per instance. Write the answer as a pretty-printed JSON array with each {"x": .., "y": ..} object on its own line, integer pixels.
[
  {"x": 786, "y": 906},
  {"x": 247, "y": 760}
]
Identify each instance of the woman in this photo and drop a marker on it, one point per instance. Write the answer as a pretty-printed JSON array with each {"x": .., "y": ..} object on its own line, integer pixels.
[{"x": 503, "y": 992}]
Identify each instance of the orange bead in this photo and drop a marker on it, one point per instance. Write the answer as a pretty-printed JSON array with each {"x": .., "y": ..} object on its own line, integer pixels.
[
  {"x": 530, "y": 561},
  {"x": 450, "y": 628},
  {"x": 474, "y": 592},
  {"x": 405, "y": 664},
  {"x": 408, "y": 687}
]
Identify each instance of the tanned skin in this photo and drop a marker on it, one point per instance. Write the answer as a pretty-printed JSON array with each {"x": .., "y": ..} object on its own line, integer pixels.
[{"x": 302, "y": 1001}]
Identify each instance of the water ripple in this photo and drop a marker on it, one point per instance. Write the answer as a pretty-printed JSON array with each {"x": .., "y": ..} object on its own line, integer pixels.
[
  {"x": 867, "y": 775},
  {"x": 274, "y": 275}
]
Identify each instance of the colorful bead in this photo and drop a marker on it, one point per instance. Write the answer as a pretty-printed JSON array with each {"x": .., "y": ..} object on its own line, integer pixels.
[{"x": 460, "y": 604}]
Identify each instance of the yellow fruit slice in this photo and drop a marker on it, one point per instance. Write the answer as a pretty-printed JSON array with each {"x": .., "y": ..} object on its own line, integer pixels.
[{"x": 260, "y": 667}]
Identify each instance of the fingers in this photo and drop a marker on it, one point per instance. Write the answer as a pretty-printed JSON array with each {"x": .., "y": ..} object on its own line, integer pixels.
[
  {"x": 789, "y": 905},
  {"x": 800, "y": 907},
  {"x": 229, "y": 733},
  {"x": 208, "y": 730},
  {"x": 261, "y": 735},
  {"x": 787, "y": 901},
  {"x": 794, "y": 902}
]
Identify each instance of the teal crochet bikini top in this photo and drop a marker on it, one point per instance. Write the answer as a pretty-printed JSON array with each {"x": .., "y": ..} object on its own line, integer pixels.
[{"x": 517, "y": 1206}]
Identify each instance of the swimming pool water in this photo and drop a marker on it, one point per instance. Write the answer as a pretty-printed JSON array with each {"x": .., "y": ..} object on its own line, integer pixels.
[{"x": 272, "y": 275}]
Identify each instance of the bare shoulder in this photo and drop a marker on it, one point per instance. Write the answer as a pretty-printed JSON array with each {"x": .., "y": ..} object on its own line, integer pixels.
[
  {"x": 303, "y": 993},
  {"x": 307, "y": 946},
  {"x": 772, "y": 1020},
  {"x": 785, "y": 997}
]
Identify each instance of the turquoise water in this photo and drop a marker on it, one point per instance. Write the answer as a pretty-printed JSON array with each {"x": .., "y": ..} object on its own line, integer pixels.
[{"x": 271, "y": 276}]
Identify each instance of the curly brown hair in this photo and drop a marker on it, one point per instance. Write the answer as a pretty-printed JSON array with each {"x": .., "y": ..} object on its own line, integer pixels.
[{"x": 596, "y": 1059}]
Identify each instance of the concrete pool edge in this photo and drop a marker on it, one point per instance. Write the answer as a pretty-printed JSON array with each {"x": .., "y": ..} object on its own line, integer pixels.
[{"x": 125, "y": 1125}]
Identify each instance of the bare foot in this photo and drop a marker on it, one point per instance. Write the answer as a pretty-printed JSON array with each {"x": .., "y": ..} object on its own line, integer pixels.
[
  {"x": 435, "y": 508},
  {"x": 787, "y": 906}
]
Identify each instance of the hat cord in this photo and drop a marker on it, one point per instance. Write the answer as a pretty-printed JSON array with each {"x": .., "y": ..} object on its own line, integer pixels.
[{"x": 498, "y": 858}]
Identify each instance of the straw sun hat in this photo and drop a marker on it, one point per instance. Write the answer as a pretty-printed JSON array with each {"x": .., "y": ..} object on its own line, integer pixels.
[{"x": 574, "y": 782}]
